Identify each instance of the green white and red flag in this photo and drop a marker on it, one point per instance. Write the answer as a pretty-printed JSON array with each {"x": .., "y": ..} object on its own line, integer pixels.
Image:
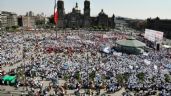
[{"x": 55, "y": 13}]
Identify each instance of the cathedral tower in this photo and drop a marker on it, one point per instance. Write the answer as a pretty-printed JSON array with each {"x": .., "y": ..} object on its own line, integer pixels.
[
  {"x": 61, "y": 13},
  {"x": 86, "y": 13}
]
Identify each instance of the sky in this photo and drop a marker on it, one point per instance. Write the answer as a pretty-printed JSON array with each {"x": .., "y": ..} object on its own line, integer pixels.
[{"x": 137, "y": 9}]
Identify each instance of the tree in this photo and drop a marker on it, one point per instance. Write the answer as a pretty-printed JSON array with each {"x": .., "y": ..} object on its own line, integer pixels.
[
  {"x": 77, "y": 75},
  {"x": 126, "y": 76},
  {"x": 92, "y": 75},
  {"x": 51, "y": 19},
  {"x": 7, "y": 28},
  {"x": 120, "y": 78},
  {"x": 40, "y": 22},
  {"x": 14, "y": 27},
  {"x": 66, "y": 77},
  {"x": 137, "y": 24},
  {"x": 140, "y": 76},
  {"x": 167, "y": 78}
]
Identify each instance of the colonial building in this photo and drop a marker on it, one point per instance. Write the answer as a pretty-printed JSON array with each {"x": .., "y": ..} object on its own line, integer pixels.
[
  {"x": 28, "y": 22},
  {"x": 3, "y": 20},
  {"x": 8, "y": 19},
  {"x": 76, "y": 19}
]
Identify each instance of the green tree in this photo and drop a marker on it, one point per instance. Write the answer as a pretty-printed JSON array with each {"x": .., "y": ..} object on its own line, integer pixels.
[
  {"x": 120, "y": 78},
  {"x": 92, "y": 75},
  {"x": 126, "y": 76},
  {"x": 14, "y": 27},
  {"x": 66, "y": 77},
  {"x": 40, "y": 22},
  {"x": 167, "y": 78},
  {"x": 51, "y": 19},
  {"x": 141, "y": 76},
  {"x": 7, "y": 28},
  {"x": 77, "y": 76}
]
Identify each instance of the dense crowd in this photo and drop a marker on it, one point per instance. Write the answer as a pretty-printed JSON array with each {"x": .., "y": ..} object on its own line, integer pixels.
[{"x": 77, "y": 59}]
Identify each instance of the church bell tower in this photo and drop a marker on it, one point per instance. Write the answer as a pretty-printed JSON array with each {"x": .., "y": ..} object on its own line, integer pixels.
[
  {"x": 61, "y": 13},
  {"x": 86, "y": 13}
]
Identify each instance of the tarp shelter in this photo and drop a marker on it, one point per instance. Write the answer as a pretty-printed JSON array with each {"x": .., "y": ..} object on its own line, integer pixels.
[
  {"x": 9, "y": 79},
  {"x": 131, "y": 45},
  {"x": 131, "y": 42}
]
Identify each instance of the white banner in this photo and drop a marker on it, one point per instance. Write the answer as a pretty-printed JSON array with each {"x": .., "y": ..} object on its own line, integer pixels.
[{"x": 154, "y": 36}]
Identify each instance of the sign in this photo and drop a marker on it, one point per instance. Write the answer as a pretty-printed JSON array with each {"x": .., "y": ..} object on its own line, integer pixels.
[{"x": 153, "y": 35}]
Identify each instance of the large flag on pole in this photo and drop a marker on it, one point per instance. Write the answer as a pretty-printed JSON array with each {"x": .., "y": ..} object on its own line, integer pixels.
[{"x": 55, "y": 13}]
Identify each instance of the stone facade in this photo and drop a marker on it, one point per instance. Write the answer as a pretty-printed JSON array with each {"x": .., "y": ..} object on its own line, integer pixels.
[
  {"x": 30, "y": 21},
  {"x": 8, "y": 19},
  {"x": 3, "y": 21},
  {"x": 27, "y": 22},
  {"x": 76, "y": 20}
]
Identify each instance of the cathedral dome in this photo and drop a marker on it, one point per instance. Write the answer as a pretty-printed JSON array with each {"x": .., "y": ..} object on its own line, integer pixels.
[
  {"x": 102, "y": 12},
  {"x": 76, "y": 7}
]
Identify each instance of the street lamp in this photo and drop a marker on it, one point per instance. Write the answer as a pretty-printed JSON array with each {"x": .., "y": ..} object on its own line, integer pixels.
[
  {"x": 24, "y": 56},
  {"x": 87, "y": 65}
]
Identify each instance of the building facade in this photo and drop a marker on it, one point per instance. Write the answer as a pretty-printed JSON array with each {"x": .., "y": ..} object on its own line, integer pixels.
[
  {"x": 8, "y": 19},
  {"x": 75, "y": 19},
  {"x": 28, "y": 22},
  {"x": 3, "y": 20}
]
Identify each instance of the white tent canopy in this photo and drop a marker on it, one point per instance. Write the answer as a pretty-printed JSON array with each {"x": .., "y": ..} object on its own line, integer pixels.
[
  {"x": 155, "y": 67},
  {"x": 167, "y": 46},
  {"x": 147, "y": 62},
  {"x": 88, "y": 42},
  {"x": 107, "y": 50},
  {"x": 73, "y": 37}
]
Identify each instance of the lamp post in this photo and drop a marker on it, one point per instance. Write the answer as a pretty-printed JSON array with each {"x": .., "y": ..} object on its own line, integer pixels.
[
  {"x": 87, "y": 65},
  {"x": 87, "y": 86},
  {"x": 24, "y": 50}
]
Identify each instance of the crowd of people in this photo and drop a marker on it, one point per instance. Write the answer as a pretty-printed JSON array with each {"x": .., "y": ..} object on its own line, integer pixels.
[{"x": 76, "y": 58}]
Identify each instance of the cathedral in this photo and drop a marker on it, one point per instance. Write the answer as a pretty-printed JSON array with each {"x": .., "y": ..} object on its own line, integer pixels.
[{"x": 77, "y": 20}]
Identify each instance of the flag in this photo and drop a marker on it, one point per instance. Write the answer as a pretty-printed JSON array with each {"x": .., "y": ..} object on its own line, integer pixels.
[{"x": 55, "y": 13}]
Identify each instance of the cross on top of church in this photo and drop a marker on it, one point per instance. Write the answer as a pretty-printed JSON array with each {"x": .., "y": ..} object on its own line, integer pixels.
[{"x": 76, "y": 5}]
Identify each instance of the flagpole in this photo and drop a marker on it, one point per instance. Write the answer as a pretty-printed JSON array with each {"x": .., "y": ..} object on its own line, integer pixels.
[{"x": 56, "y": 32}]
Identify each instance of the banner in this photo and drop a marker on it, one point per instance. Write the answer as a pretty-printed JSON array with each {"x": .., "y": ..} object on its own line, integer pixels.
[{"x": 153, "y": 35}]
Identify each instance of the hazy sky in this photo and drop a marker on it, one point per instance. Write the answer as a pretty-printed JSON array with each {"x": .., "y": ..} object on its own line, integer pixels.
[{"x": 127, "y": 8}]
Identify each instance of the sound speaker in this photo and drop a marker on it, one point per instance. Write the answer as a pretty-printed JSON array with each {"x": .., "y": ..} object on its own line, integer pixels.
[{"x": 158, "y": 47}]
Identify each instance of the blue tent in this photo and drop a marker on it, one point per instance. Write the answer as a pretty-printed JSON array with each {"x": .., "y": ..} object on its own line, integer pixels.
[
  {"x": 65, "y": 66},
  {"x": 167, "y": 66}
]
